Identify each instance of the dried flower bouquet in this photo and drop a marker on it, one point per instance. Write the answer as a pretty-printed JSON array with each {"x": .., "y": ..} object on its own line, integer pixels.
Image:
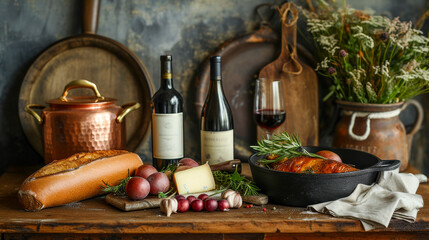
[{"x": 369, "y": 58}]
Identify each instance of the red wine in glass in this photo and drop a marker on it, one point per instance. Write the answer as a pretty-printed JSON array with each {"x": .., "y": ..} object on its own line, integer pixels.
[
  {"x": 270, "y": 118},
  {"x": 268, "y": 107}
]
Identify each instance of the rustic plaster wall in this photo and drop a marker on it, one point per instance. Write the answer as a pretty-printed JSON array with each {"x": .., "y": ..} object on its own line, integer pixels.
[{"x": 187, "y": 29}]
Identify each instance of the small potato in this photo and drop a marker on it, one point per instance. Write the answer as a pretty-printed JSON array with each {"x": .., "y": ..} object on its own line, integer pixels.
[
  {"x": 159, "y": 182},
  {"x": 182, "y": 167},
  {"x": 329, "y": 155},
  {"x": 137, "y": 188},
  {"x": 188, "y": 162},
  {"x": 145, "y": 171}
]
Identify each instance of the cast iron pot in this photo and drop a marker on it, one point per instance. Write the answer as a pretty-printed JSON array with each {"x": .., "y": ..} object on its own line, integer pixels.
[{"x": 302, "y": 189}]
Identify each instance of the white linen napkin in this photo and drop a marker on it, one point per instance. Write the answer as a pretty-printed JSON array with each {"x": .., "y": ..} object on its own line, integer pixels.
[{"x": 393, "y": 196}]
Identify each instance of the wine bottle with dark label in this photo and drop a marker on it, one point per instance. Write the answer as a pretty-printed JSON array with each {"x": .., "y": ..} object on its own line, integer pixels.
[
  {"x": 217, "y": 126},
  {"x": 167, "y": 120}
]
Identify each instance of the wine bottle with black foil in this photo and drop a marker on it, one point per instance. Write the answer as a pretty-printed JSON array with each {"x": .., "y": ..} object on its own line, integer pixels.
[
  {"x": 167, "y": 120},
  {"x": 217, "y": 126}
]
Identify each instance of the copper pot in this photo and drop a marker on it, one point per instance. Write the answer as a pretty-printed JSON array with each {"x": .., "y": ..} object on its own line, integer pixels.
[{"x": 73, "y": 124}]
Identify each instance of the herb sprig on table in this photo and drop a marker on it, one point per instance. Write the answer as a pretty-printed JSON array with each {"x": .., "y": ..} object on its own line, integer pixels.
[
  {"x": 282, "y": 146},
  {"x": 236, "y": 182},
  {"x": 118, "y": 189}
]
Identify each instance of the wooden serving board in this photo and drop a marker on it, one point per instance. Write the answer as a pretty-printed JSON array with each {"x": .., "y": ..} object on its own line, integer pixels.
[{"x": 126, "y": 204}]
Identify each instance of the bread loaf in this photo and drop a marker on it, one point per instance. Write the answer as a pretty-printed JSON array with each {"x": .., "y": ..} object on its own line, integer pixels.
[{"x": 76, "y": 178}]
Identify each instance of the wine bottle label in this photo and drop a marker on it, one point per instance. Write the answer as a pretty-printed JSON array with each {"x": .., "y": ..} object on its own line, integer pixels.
[
  {"x": 217, "y": 147},
  {"x": 167, "y": 135}
]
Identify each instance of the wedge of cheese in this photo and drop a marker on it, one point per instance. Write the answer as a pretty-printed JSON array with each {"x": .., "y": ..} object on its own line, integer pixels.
[{"x": 194, "y": 180}]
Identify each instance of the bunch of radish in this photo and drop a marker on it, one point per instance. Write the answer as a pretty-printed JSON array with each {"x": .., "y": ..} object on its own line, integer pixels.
[{"x": 200, "y": 203}]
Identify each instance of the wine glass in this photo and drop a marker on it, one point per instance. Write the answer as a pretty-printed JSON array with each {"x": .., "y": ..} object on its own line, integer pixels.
[{"x": 268, "y": 105}]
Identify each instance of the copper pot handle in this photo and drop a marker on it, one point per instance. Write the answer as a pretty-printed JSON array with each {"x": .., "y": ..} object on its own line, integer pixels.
[
  {"x": 33, "y": 113},
  {"x": 127, "y": 108},
  {"x": 81, "y": 83}
]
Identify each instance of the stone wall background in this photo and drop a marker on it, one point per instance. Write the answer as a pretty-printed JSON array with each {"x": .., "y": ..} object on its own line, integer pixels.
[{"x": 187, "y": 29}]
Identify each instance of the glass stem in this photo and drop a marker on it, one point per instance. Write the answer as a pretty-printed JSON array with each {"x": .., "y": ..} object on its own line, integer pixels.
[{"x": 269, "y": 133}]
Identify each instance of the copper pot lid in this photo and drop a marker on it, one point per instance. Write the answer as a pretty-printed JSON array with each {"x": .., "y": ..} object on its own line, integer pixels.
[{"x": 81, "y": 101}]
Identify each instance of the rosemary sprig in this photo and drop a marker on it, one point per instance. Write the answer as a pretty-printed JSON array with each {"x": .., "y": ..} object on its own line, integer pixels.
[
  {"x": 165, "y": 195},
  {"x": 118, "y": 189},
  {"x": 283, "y": 146},
  {"x": 236, "y": 182},
  {"x": 169, "y": 167}
]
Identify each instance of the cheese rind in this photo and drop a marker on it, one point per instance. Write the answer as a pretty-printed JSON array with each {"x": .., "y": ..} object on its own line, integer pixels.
[{"x": 194, "y": 180}]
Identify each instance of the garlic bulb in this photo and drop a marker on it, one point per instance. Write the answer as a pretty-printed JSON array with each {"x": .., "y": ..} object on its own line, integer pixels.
[
  {"x": 169, "y": 206},
  {"x": 234, "y": 198}
]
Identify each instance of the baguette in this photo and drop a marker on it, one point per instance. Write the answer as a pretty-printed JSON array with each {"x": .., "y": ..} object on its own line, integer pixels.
[{"x": 76, "y": 178}]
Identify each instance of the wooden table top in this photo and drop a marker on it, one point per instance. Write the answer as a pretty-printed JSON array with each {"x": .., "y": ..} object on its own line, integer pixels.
[{"x": 95, "y": 216}]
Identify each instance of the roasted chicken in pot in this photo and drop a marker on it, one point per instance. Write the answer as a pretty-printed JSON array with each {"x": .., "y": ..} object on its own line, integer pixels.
[{"x": 306, "y": 164}]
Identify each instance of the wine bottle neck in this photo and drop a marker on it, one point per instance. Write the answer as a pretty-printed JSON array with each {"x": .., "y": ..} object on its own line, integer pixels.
[
  {"x": 215, "y": 69},
  {"x": 216, "y": 75},
  {"x": 166, "y": 72},
  {"x": 216, "y": 86},
  {"x": 167, "y": 83}
]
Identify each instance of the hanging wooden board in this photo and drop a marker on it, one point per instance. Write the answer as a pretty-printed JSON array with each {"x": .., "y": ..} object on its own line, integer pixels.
[
  {"x": 300, "y": 91},
  {"x": 117, "y": 72}
]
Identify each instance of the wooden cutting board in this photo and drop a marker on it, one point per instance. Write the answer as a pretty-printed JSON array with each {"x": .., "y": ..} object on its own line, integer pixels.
[
  {"x": 126, "y": 204},
  {"x": 300, "y": 83}
]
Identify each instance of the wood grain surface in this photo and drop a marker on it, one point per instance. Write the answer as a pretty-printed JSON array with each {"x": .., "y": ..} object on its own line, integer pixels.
[{"x": 94, "y": 216}]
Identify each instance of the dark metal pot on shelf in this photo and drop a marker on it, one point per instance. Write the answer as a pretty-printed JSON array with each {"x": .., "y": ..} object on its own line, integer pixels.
[
  {"x": 303, "y": 189},
  {"x": 73, "y": 124}
]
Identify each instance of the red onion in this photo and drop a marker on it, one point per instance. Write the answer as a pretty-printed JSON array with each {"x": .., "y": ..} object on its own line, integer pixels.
[
  {"x": 191, "y": 198},
  {"x": 178, "y": 197},
  {"x": 197, "y": 205},
  {"x": 223, "y": 205},
  {"x": 203, "y": 196},
  {"x": 210, "y": 205},
  {"x": 182, "y": 205}
]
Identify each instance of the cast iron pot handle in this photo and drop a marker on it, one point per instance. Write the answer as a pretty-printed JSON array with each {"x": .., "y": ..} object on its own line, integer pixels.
[{"x": 385, "y": 165}]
